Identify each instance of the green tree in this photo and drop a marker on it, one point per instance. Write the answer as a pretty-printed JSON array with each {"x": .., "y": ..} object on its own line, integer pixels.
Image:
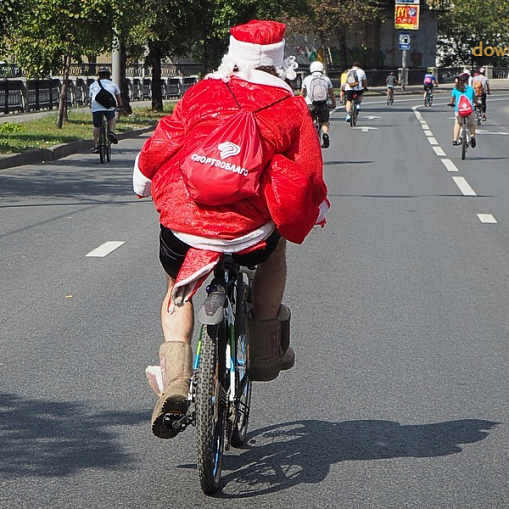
[
  {"x": 9, "y": 10},
  {"x": 50, "y": 34},
  {"x": 332, "y": 20},
  {"x": 469, "y": 23}
]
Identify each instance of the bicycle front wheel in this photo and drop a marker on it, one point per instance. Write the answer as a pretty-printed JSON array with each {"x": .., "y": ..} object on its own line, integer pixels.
[
  {"x": 243, "y": 387},
  {"x": 211, "y": 407}
]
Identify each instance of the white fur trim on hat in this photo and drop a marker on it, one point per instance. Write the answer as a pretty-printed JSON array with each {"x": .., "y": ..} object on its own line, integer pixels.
[{"x": 252, "y": 55}]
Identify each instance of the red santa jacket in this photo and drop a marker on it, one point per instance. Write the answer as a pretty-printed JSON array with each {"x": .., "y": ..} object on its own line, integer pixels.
[{"x": 292, "y": 192}]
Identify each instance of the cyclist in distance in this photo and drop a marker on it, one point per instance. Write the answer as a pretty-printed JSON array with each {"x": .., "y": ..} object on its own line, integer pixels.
[
  {"x": 429, "y": 81},
  {"x": 318, "y": 91},
  {"x": 342, "y": 84},
  {"x": 481, "y": 86},
  {"x": 98, "y": 110},
  {"x": 391, "y": 82},
  {"x": 462, "y": 89},
  {"x": 356, "y": 83},
  {"x": 290, "y": 198}
]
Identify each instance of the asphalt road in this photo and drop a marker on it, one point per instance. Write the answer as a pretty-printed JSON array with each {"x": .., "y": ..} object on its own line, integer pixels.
[{"x": 399, "y": 394}]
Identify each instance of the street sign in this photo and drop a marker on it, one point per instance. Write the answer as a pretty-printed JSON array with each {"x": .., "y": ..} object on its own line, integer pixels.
[{"x": 404, "y": 41}]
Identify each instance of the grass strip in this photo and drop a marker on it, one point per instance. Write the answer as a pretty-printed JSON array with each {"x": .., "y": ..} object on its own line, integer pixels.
[{"x": 43, "y": 133}]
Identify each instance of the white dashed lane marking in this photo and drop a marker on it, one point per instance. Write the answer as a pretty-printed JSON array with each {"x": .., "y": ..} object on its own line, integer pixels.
[
  {"x": 105, "y": 249},
  {"x": 449, "y": 165},
  {"x": 464, "y": 186},
  {"x": 487, "y": 218}
]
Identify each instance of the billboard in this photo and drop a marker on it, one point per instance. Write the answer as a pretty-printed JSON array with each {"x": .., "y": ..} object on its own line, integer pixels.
[{"x": 406, "y": 16}]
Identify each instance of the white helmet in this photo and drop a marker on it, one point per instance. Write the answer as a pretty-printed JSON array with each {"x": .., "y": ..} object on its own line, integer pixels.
[{"x": 316, "y": 66}]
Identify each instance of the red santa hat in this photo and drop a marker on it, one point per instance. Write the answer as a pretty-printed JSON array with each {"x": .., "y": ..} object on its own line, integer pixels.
[{"x": 258, "y": 43}]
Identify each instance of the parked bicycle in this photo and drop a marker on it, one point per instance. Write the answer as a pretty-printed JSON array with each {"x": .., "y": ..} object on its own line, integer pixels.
[{"x": 220, "y": 391}]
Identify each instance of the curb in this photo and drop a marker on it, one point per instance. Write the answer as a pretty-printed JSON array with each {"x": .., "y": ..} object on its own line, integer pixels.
[{"x": 60, "y": 151}]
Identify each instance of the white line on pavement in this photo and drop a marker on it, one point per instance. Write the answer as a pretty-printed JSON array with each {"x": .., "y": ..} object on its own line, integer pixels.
[
  {"x": 432, "y": 140},
  {"x": 105, "y": 249},
  {"x": 449, "y": 165},
  {"x": 464, "y": 186},
  {"x": 487, "y": 218},
  {"x": 439, "y": 151}
]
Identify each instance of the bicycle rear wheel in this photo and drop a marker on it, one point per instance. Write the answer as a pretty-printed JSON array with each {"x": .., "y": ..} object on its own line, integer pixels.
[
  {"x": 102, "y": 144},
  {"x": 464, "y": 143},
  {"x": 108, "y": 150},
  {"x": 243, "y": 387},
  {"x": 211, "y": 407}
]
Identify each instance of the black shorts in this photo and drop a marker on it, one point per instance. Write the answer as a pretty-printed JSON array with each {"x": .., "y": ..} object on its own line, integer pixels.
[
  {"x": 320, "y": 110},
  {"x": 97, "y": 116},
  {"x": 172, "y": 252},
  {"x": 428, "y": 87},
  {"x": 350, "y": 94}
]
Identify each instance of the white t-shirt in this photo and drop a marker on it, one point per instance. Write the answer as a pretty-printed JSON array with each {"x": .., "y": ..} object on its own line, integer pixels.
[
  {"x": 361, "y": 75},
  {"x": 109, "y": 85},
  {"x": 307, "y": 82}
]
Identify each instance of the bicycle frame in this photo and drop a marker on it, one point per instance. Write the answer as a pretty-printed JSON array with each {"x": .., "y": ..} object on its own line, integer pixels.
[{"x": 354, "y": 112}]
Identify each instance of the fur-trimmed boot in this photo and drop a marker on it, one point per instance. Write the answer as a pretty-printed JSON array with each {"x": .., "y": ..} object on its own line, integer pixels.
[
  {"x": 177, "y": 369},
  {"x": 268, "y": 343}
]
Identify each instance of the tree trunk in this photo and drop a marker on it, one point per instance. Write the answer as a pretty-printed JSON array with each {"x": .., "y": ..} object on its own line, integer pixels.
[
  {"x": 124, "y": 86},
  {"x": 154, "y": 58},
  {"x": 62, "y": 105}
]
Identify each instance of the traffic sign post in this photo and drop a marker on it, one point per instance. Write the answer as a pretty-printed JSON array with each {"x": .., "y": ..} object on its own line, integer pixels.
[{"x": 404, "y": 45}]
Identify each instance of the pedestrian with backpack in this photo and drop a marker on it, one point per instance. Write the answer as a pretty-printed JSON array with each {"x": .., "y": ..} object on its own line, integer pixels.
[
  {"x": 282, "y": 195},
  {"x": 356, "y": 83},
  {"x": 318, "y": 91}
]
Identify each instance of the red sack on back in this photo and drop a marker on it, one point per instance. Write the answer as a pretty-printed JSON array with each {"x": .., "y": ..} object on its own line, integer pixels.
[
  {"x": 226, "y": 166},
  {"x": 465, "y": 107}
]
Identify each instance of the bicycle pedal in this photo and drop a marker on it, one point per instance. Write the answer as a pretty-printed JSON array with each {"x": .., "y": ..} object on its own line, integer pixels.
[{"x": 175, "y": 422}]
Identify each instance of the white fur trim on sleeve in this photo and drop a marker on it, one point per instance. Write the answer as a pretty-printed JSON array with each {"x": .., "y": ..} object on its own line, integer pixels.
[
  {"x": 141, "y": 184},
  {"x": 324, "y": 208}
]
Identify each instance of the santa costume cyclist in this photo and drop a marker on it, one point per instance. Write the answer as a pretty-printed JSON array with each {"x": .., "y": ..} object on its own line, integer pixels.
[{"x": 291, "y": 197}]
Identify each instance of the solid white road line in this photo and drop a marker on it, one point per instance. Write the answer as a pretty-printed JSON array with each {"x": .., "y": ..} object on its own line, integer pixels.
[
  {"x": 449, "y": 165},
  {"x": 487, "y": 218},
  {"x": 464, "y": 186},
  {"x": 105, "y": 249}
]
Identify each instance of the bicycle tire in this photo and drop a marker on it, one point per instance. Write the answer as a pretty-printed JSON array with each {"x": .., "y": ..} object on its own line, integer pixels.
[
  {"x": 108, "y": 150},
  {"x": 243, "y": 389},
  {"x": 211, "y": 408},
  {"x": 430, "y": 100},
  {"x": 353, "y": 115},
  {"x": 464, "y": 143},
  {"x": 102, "y": 142}
]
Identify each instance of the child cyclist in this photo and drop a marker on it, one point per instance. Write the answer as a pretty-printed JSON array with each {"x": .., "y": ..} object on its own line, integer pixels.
[{"x": 462, "y": 89}]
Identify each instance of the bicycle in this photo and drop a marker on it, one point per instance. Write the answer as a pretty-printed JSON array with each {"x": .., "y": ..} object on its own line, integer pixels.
[
  {"x": 318, "y": 125},
  {"x": 354, "y": 111},
  {"x": 464, "y": 138},
  {"x": 479, "y": 113},
  {"x": 428, "y": 100},
  {"x": 220, "y": 390},
  {"x": 390, "y": 96},
  {"x": 104, "y": 143}
]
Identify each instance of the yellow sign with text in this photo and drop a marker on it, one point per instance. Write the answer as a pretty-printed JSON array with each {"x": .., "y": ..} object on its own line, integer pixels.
[{"x": 406, "y": 17}]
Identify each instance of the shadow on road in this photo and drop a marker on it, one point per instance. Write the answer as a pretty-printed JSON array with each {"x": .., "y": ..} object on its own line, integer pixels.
[
  {"x": 48, "y": 438},
  {"x": 281, "y": 456}
]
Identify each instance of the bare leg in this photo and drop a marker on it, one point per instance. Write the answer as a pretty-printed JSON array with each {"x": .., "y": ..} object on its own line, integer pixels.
[
  {"x": 96, "y": 135},
  {"x": 325, "y": 127},
  {"x": 269, "y": 284},
  {"x": 456, "y": 133},
  {"x": 179, "y": 325}
]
